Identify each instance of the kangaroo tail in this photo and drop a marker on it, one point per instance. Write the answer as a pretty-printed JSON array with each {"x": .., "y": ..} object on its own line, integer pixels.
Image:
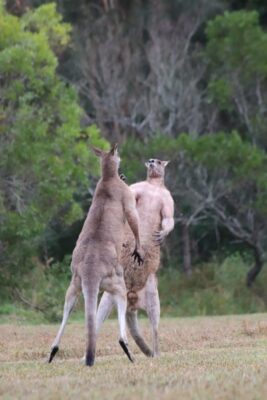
[
  {"x": 131, "y": 318},
  {"x": 90, "y": 293}
]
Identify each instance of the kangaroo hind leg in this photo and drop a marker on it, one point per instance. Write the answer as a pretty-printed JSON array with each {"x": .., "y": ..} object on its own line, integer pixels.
[
  {"x": 120, "y": 300},
  {"x": 70, "y": 300},
  {"x": 104, "y": 309},
  {"x": 153, "y": 310},
  {"x": 133, "y": 326},
  {"x": 121, "y": 304}
]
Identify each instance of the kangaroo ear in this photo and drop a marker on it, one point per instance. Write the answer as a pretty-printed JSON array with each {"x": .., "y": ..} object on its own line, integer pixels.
[
  {"x": 146, "y": 164},
  {"x": 114, "y": 148},
  {"x": 98, "y": 152},
  {"x": 165, "y": 163}
]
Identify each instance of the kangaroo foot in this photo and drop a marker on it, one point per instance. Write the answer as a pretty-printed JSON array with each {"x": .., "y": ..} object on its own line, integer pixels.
[
  {"x": 53, "y": 353},
  {"x": 126, "y": 350},
  {"x": 89, "y": 359}
]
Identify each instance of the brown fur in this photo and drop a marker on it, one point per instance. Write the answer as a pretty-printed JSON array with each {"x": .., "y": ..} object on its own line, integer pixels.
[
  {"x": 155, "y": 208},
  {"x": 136, "y": 277},
  {"x": 95, "y": 261}
]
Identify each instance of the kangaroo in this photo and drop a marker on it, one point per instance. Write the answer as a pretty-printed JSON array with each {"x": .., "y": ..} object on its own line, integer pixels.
[
  {"x": 95, "y": 260},
  {"x": 155, "y": 207}
]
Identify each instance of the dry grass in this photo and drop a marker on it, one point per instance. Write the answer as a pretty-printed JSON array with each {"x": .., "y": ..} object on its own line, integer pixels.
[{"x": 202, "y": 358}]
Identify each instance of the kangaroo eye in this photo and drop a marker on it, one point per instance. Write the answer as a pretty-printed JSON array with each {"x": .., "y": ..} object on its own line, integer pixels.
[{"x": 159, "y": 162}]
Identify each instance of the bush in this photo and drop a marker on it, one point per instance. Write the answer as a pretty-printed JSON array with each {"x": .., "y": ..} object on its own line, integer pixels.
[{"x": 212, "y": 290}]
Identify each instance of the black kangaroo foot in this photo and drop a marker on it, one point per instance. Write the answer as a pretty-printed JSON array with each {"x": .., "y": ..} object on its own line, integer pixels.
[
  {"x": 126, "y": 350},
  {"x": 53, "y": 353}
]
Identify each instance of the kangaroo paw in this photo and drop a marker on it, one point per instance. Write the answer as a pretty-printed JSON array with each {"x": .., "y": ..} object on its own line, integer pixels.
[
  {"x": 123, "y": 177},
  {"x": 137, "y": 257}
]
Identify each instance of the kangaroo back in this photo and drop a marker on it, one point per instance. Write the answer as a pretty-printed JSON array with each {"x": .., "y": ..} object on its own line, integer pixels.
[{"x": 95, "y": 260}]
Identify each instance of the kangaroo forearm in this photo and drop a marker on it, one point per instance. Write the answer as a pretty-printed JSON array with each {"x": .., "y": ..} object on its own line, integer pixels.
[
  {"x": 133, "y": 222},
  {"x": 167, "y": 225},
  {"x": 135, "y": 230}
]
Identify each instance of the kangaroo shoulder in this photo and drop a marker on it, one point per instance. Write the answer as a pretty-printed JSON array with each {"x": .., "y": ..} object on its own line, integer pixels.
[
  {"x": 139, "y": 185},
  {"x": 167, "y": 197}
]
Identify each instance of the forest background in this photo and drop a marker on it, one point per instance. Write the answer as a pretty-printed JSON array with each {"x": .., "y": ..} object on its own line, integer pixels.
[{"x": 184, "y": 81}]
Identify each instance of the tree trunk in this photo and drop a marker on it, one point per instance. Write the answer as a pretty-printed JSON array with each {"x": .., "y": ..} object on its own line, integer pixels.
[
  {"x": 257, "y": 267},
  {"x": 186, "y": 249}
]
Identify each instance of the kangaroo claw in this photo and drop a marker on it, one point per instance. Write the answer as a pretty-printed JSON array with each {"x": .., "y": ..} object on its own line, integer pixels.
[
  {"x": 158, "y": 238},
  {"x": 137, "y": 257},
  {"x": 123, "y": 177}
]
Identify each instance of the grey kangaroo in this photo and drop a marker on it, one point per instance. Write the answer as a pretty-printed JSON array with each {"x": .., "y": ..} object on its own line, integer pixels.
[
  {"x": 155, "y": 207},
  {"x": 95, "y": 260}
]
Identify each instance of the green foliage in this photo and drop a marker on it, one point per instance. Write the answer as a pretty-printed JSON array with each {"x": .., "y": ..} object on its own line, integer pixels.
[
  {"x": 49, "y": 290},
  {"x": 135, "y": 153},
  {"x": 237, "y": 52},
  {"x": 236, "y": 38},
  {"x": 219, "y": 186},
  {"x": 220, "y": 151},
  {"x": 212, "y": 290},
  {"x": 223, "y": 151},
  {"x": 47, "y": 21},
  {"x": 44, "y": 157},
  {"x": 221, "y": 91},
  {"x": 45, "y": 165},
  {"x": 241, "y": 163},
  {"x": 15, "y": 312}
]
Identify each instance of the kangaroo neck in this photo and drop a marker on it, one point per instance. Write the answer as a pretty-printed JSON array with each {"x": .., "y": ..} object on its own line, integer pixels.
[
  {"x": 156, "y": 181},
  {"x": 108, "y": 173}
]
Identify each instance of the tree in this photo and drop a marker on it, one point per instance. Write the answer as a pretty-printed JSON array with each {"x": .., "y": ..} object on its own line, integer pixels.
[
  {"x": 44, "y": 157},
  {"x": 216, "y": 180},
  {"x": 237, "y": 51},
  {"x": 226, "y": 177},
  {"x": 142, "y": 73},
  {"x": 258, "y": 5}
]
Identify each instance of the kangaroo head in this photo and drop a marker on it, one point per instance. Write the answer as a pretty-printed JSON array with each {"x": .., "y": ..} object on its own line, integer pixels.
[
  {"x": 110, "y": 160},
  {"x": 156, "y": 168}
]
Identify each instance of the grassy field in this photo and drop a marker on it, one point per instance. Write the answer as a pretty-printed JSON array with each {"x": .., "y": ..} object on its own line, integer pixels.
[{"x": 201, "y": 358}]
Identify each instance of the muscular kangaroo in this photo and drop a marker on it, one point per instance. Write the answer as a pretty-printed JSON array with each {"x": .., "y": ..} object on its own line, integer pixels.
[
  {"x": 95, "y": 260},
  {"x": 155, "y": 208}
]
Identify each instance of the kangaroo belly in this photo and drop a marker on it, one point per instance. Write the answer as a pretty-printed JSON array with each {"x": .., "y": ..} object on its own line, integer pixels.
[
  {"x": 98, "y": 258},
  {"x": 136, "y": 276}
]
